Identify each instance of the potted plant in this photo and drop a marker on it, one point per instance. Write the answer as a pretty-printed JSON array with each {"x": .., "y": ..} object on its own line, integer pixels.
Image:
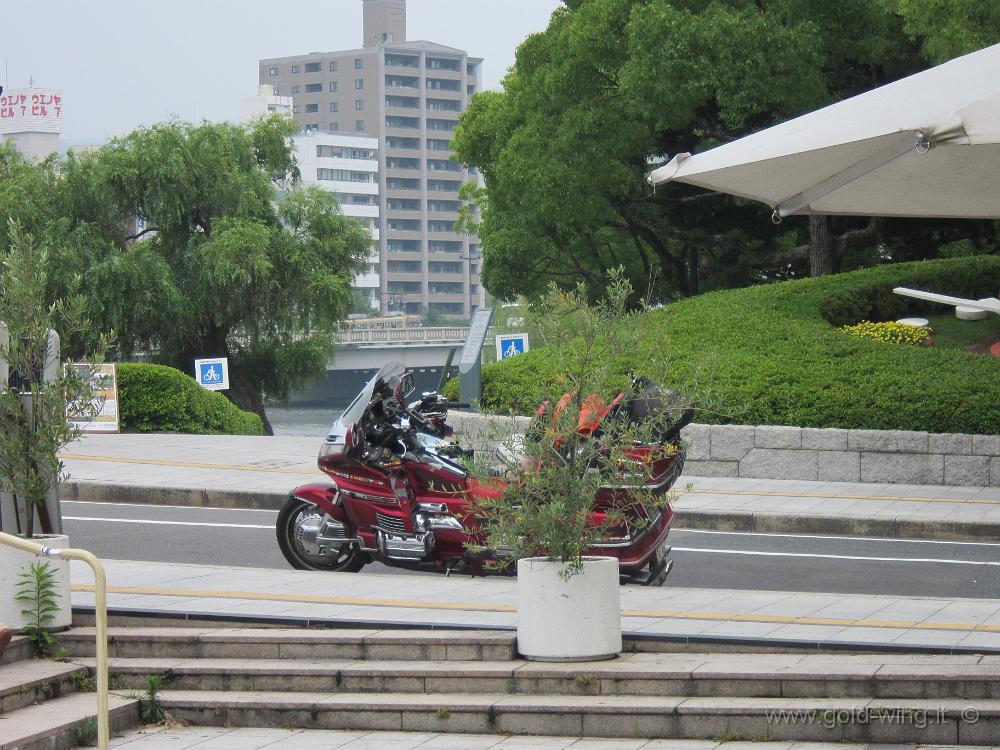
[
  {"x": 38, "y": 398},
  {"x": 554, "y": 505}
]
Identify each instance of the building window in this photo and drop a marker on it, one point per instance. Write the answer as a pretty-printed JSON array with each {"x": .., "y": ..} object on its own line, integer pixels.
[
  {"x": 437, "y": 144},
  {"x": 402, "y": 183},
  {"x": 403, "y": 225},
  {"x": 311, "y": 108},
  {"x": 440, "y": 63},
  {"x": 313, "y": 68},
  {"x": 445, "y": 206},
  {"x": 359, "y": 63},
  {"x": 272, "y": 71},
  {"x": 443, "y": 165},
  {"x": 333, "y": 85},
  {"x": 402, "y": 122},
  {"x": 359, "y": 104},
  {"x": 443, "y": 84},
  {"x": 314, "y": 88},
  {"x": 394, "y": 141},
  {"x": 444, "y": 105},
  {"x": 312, "y": 127},
  {"x": 434, "y": 225},
  {"x": 402, "y": 61},
  {"x": 441, "y": 125},
  {"x": 333, "y": 106},
  {"x": 295, "y": 68},
  {"x": 402, "y": 82},
  {"x": 359, "y": 125},
  {"x": 404, "y": 102},
  {"x": 296, "y": 89},
  {"x": 399, "y": 162},
  {"x": 334, "y": 126},
  {"x": 333, "y": 66},
  {"x": 295, "y": 109},
  {"x": 359, "y": 83}
]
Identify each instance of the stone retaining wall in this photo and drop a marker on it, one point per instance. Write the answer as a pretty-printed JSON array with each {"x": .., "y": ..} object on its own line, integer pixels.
[
  {"x": 832, "y": 455},
  {"x": 880, "y": 456}
]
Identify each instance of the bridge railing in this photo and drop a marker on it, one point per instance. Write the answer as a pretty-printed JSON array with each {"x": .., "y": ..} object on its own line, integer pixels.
[{"x": 404, "y": 335}]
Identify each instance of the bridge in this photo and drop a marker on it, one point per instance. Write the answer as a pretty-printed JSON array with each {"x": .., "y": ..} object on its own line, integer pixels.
[
  {"x": 414, "y": 347},
  {"x": 359, "y": 353}
]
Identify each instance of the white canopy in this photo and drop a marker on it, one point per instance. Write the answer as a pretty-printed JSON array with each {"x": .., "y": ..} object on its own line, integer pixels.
[{"x": 927, "y": 145}]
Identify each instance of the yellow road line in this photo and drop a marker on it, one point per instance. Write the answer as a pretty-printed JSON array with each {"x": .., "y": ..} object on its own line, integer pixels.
[
  {"x": 458, "y": 606},
  {"x": 836, "y": 496},
  {"x": 187, "y": 464}
]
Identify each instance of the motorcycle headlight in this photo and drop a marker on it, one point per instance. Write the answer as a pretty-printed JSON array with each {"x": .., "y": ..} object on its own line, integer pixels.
[{"x": 331, "y": 449}]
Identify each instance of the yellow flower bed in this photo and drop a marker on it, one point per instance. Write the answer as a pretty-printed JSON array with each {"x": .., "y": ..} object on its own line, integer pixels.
[{"x": 896, "y": 333}]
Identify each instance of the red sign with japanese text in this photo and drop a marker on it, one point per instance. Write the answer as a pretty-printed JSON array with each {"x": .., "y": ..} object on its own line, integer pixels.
[{"x": 31, "y": 111}]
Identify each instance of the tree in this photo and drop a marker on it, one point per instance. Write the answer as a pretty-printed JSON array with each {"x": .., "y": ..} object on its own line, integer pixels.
[
  {"x": 190, "y": 251},
  {"x": 41, "y": 397},
  {"x": 613, "y": 86}
]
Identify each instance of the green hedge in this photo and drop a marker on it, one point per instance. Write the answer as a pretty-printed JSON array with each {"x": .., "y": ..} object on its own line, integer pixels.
[
  {"x": 154, "y": 398},
  {"x": 771, "y": 355}
]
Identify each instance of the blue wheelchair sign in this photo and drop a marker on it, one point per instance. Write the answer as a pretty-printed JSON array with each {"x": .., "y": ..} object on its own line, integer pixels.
[
  {"x": 511, "y": 344},
  {"x": 212, "y": 374}
]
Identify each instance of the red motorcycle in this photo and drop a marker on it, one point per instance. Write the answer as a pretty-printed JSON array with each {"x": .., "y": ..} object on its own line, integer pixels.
[{"x": 400, "y": 495}]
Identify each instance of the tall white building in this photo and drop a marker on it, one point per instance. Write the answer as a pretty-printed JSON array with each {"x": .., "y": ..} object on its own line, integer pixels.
[
  {"x": 343, "y": 164},
  {"x": 32, "y": 120},
  {"x": 409, "y": 95}
]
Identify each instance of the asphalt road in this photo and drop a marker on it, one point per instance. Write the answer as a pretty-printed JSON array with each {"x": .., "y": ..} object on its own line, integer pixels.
[{"x": 703, "y": 559}]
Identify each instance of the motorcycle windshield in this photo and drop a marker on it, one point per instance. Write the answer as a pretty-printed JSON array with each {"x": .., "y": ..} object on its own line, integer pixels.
[{"x": 353, "y": 413}]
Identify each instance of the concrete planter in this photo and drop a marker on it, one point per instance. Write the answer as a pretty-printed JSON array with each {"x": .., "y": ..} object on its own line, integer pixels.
[
  {"x": 577, "y": 619},
  {"x": 12, "y": 563}
]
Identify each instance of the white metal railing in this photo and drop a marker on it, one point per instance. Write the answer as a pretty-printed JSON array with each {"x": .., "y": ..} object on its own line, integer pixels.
[
  {"x": 100, "y": 615},
  {"x": 401, "y": 335}
]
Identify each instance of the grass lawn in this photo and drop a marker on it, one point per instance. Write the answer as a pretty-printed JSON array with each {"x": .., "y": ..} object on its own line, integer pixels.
[{"x": 949, "y": 331}]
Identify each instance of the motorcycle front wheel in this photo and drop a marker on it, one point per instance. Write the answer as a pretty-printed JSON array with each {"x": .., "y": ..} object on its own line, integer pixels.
[{"x": 294, "y": 516}]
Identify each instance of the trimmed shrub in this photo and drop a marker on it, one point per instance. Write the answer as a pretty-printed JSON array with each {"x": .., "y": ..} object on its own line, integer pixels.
[
  {"x": 154, "y": 398},
  {"x": 769, "y": 355}
]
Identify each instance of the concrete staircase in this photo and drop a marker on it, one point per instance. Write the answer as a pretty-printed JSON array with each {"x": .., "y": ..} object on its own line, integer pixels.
[
  {"x": 43, "y": 701},
  {"x": 447, "y": 681}
]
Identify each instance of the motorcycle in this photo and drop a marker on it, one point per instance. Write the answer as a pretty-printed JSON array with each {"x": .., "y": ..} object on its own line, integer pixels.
[{"x": 400, "y": 495}]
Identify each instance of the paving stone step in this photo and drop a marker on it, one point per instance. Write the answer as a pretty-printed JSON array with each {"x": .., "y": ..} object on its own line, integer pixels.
[
  {"x": 267, "y": 643},
  {"x": 49, "y": 725},
  {"x": 749, "y": 675},
  {"x": 26, "y": 682},
  {"x": 948, "y": 722},
  {"x": 19, "y": 649}
]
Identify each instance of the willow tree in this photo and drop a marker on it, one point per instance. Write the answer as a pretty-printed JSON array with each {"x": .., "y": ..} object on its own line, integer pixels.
[{"x": 195, "y": 242}]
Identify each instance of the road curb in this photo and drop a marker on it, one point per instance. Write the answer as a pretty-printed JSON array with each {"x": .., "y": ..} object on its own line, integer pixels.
[
  {"x": 841, "y": 525},
  {"x": 761, "y": 523}
]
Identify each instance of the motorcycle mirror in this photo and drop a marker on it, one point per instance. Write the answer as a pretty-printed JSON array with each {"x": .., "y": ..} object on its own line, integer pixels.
[{"x": 406, "y": 384}]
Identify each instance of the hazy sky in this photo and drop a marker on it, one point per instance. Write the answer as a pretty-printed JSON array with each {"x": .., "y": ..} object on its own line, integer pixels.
[{"x": 122, "y": 63}]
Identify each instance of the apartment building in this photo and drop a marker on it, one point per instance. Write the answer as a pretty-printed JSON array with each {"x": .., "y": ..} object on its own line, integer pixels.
[
  {"x": 344, "y": 164},
  {"x": 407, "y": 95}
]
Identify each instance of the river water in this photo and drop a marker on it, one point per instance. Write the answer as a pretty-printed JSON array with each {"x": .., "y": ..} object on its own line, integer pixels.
[{"x": 303, "y": 421}]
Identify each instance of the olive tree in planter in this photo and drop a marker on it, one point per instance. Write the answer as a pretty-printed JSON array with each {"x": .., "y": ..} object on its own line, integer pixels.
[
  {"x": 544, "y": 517},
  {"x": 38, "y": 398}
]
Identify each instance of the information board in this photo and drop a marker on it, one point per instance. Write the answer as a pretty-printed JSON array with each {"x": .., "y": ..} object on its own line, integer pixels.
[
  {"x": 105, "y": 383},
  {"x": 474, "y": 342}
]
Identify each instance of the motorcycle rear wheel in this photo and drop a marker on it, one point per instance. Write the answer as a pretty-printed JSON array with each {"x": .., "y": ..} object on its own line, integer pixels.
[{"x": 349, "y": 559}]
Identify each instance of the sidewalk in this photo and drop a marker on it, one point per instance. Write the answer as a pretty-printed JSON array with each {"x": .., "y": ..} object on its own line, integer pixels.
[
  {"x": 258, "y": 472},
  {"x": 213, "y": 738},
  {"x": 746, "y": 619}
]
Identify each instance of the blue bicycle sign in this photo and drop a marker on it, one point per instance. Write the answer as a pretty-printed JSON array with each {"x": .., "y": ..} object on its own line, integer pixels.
[
  {"x": 511, "y": 344},
  {"x": 212, "y": 374}
]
